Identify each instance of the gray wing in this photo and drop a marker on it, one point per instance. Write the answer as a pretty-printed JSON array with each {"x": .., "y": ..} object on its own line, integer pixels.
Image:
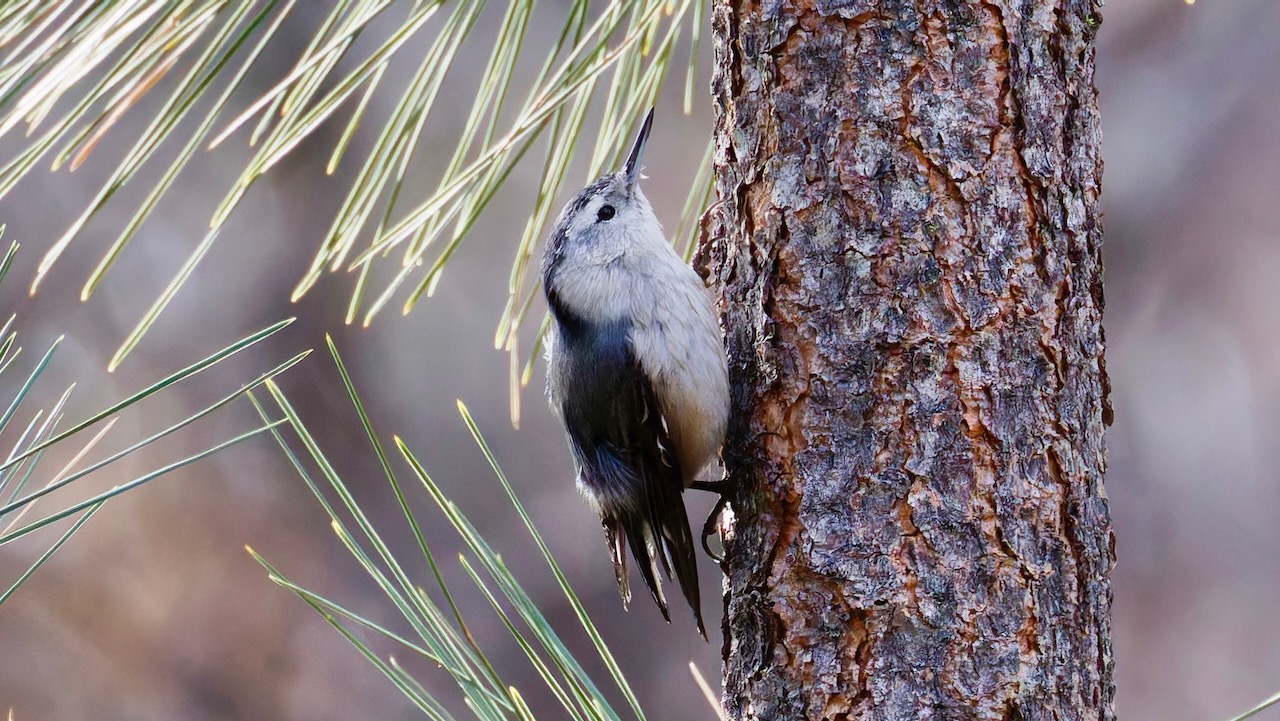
[{"x": 625, "y": 458}]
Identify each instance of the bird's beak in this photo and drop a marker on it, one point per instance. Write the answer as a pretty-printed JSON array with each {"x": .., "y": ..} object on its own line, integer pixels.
[{"x": 632, "y": 168}]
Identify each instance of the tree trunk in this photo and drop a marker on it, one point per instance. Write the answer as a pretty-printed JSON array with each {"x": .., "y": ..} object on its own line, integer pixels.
[{"x": 908, "y": 249}]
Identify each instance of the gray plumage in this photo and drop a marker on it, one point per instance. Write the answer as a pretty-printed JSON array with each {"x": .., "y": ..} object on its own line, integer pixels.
[{"x": 637, "y": 372}]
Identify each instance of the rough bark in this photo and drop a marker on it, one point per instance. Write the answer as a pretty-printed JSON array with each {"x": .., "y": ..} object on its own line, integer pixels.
[{"x": 908, "y": 249}]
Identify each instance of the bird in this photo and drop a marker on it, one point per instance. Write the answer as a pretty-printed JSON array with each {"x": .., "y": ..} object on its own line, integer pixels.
[{"x": 637, "y": 373}]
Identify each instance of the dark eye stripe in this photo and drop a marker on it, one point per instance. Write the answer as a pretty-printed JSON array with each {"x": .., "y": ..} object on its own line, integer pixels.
[{"x": 605, "y": 213}]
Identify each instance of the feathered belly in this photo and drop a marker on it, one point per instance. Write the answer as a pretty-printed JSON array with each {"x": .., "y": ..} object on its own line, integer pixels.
[{"x": 684, "y": 356}]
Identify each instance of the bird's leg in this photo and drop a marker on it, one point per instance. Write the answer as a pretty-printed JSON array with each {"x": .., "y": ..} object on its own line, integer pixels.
[{"x": 720, "y": 488}]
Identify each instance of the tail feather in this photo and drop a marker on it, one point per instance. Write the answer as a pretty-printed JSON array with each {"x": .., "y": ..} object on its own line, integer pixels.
[
  {"x": 630, "y": 471},
  {"x": 668, "y": 525},
  {"x": 679, "y": 543},
  {"x": 640, "y": 537},
  {"x": 662, "y": 546},
  {"x": 614, "y": 536}
]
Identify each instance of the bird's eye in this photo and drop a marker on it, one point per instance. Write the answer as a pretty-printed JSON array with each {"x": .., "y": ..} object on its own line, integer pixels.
[{"x": 605, "y": 213}]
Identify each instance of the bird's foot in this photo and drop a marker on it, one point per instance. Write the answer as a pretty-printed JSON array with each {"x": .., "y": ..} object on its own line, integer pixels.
[{"x": 721, "y": 489}]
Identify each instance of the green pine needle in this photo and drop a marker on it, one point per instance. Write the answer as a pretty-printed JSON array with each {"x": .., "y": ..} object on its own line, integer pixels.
[
  {"x": 105, "y": 57},
  {"x": 1259, "y": 708},
  {"x": 441, "y": 637},
  {"x": 20, "y": 513}
]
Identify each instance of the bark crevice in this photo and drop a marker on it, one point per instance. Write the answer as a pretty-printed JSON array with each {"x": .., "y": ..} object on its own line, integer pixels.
[{"x": 907, "y": 248}]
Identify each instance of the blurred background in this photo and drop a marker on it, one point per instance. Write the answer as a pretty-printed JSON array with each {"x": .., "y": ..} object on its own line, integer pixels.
[{"x": 155, "y": 611}]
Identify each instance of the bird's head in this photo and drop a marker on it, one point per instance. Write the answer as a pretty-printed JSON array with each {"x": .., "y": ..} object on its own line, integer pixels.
[{"x": 606, "y": 220}]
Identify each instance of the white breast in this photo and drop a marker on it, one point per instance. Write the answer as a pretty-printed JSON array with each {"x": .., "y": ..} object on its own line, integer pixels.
[{"x": 681, "y": 349}]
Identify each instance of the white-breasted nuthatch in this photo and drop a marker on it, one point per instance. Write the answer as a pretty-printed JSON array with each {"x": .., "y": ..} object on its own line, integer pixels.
[{"x": 637, "y": 372}]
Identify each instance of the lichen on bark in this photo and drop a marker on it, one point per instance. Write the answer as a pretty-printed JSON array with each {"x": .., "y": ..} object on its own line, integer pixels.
[{"x": 908, "y": 250}]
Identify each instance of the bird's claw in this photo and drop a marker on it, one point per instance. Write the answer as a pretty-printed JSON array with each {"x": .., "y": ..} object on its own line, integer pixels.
[{"x": 709, "y": 526}]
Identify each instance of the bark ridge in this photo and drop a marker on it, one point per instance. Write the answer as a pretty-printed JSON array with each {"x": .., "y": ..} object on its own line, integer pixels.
[{"x": 907, "y": 245}]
